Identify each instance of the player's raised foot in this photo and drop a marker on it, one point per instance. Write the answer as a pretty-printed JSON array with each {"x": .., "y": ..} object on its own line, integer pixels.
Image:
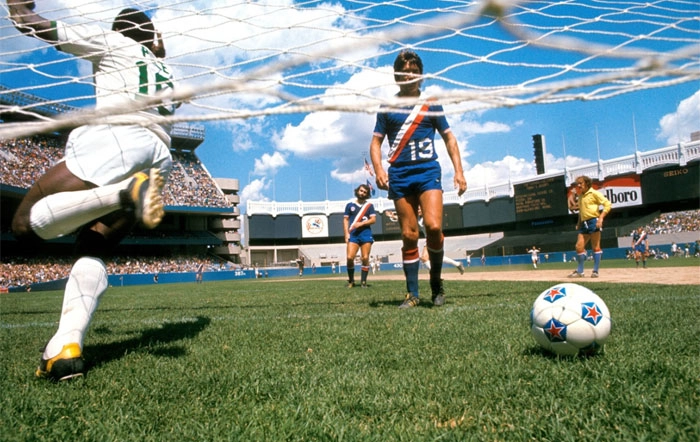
[
  {"x": 575, "y": 274},
  {"x": 351, "y": 284},
  {"x": 143, "y": 196},
  {"x": 410, "y": 301},
  {"x": 460, "y": 267},
  {"x": 594, "y": 275},
  {"x": 68, "y": 364}
]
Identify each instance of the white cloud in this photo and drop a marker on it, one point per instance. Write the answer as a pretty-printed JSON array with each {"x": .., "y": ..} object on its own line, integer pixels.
[
  {"x": 677, "y": 127},
  {"x": 344, "y": 137},
  {"x": 254, "y": 191},
  {"x": 268, "y": 165}
]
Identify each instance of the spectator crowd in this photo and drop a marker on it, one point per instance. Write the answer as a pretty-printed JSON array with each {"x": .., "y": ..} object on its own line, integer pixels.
[
  {"x": 19, "y": 272},
  {"x": 674, "y": 222},
  {"x": 23, "y": 161}
]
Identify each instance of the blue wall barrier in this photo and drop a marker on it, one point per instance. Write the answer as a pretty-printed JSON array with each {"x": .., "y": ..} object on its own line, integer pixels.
[{"x": 287, "y": 272}]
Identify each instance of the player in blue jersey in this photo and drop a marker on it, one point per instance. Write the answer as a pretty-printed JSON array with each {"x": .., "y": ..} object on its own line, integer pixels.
[
  {"x": 111, "y": 176},
  {"x": 640, "y": 246},
  {"x": 414, "y": 177},
  {"x": 357, "y": 221}
]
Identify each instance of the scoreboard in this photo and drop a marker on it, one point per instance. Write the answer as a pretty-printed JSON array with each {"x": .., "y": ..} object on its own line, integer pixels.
[{"x": 540, "y": 199}]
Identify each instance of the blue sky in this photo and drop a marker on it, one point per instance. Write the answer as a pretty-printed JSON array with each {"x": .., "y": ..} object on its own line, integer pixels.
[{"x": 318, "y": 155}]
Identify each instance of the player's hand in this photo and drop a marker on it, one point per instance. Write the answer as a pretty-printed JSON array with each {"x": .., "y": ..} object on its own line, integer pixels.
[
  {"x": 382, "y": 179},
  {"x": 158, "y": 46},
  {"x": 460, "y": 183}
]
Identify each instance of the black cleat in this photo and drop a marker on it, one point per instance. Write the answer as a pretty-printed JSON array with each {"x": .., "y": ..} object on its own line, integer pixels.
[{"x": 438, "y": 293}]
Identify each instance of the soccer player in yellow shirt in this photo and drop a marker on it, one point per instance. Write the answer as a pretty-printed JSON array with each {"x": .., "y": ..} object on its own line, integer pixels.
[{"x": 590, "y": 224}]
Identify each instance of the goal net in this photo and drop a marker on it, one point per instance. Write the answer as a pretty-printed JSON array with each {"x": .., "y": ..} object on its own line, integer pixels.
[{"x": 241, "y": 59}]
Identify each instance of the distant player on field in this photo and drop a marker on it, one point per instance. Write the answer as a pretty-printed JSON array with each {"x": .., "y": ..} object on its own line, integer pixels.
[
  {"x": 534, "y": 255},
  {"x": 640, "y": 246},
  {"x": 111, "y": 176},
  {"x": 357, "y": 221}
]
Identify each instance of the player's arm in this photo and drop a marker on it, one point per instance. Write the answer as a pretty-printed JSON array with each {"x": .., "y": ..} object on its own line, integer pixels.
[
  {"x": 375, "y": 154},
  {"x": 346, "y": 228},
  {"x": 371, "y": 220},
  {"x": 607, "y": 206},
  {"x": 30, "y": 23},
  {"x": 453, "y": 151}
]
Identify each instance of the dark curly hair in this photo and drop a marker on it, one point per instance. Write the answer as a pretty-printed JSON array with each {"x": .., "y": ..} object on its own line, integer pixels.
[
  {"x": 363, "y": 186},
  {"x": 135, "y": 25},
  {"x": 407, "y": 56}
]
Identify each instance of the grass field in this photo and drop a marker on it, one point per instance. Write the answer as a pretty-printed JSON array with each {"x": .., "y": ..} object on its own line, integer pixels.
[{"x": 310, "y": 360}]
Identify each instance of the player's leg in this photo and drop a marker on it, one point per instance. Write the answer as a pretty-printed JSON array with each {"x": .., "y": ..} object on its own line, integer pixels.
[
  {"x": 365, "y": 250},
  {"x": 58, "y": 179},
  {"x": 352, "y": 249},
  {"x": 431, "y": 204},
  {"x": 61, "y": 213},
  {"x": 62, "y": 356},
  {"x": 581, "y": 241},
  {"x": 93, "y": 182},
  {"x": 424, "y": 257},
  {"x": 407, "y": 211},
  {"x": 454, "y": 262},
  {"x": 597, "y": 252}
]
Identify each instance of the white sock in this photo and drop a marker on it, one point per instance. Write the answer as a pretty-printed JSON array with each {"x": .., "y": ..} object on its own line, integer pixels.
[
  {"x": 62, "y": 213},
  {"x": 86, "y": 283},
  {"x": 448, "y": 260}
]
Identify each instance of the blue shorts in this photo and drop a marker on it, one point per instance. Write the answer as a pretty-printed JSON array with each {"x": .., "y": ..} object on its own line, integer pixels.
[
  {"x": 414, "y": 179},
  {"x": 362, "y": 237},
  {"x": 589, "y": 226},
  {"x": 641, "y": 248}
]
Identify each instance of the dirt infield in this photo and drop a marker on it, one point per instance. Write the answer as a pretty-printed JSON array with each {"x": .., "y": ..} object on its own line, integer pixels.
[{"x": 665, "y": 275}]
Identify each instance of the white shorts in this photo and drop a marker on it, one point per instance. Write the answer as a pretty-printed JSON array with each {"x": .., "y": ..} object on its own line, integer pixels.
[{"x": 105, "y": 154}]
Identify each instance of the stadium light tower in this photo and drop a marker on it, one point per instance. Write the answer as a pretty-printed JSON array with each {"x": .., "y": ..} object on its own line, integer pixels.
[{"x": 540, "y": 152}]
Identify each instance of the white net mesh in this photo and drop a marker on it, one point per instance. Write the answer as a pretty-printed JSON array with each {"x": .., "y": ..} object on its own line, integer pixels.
[{"x": 244, "y": 59}]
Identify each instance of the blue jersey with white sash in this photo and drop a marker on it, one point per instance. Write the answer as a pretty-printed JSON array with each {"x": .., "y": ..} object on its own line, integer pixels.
[
  {"x": 355, "y": 212},
  {"x": 412, "y": 136}
]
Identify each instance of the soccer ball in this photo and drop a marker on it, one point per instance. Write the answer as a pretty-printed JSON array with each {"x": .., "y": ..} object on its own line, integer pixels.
[{"x": 569, "y": 319}]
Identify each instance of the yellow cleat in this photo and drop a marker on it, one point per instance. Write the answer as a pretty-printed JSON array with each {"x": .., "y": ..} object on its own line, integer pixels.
[
  {"x": 144, "y": 197},
  {"x": 68, "y": 364},
  {"x": 410, "y": 301}
]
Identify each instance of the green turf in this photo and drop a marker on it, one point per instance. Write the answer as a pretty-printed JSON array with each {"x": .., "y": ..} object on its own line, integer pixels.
[{"x": 311, "y": 360}]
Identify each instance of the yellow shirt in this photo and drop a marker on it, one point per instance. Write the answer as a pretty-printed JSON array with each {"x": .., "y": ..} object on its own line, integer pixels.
[{"x": 589, "y": 204}]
